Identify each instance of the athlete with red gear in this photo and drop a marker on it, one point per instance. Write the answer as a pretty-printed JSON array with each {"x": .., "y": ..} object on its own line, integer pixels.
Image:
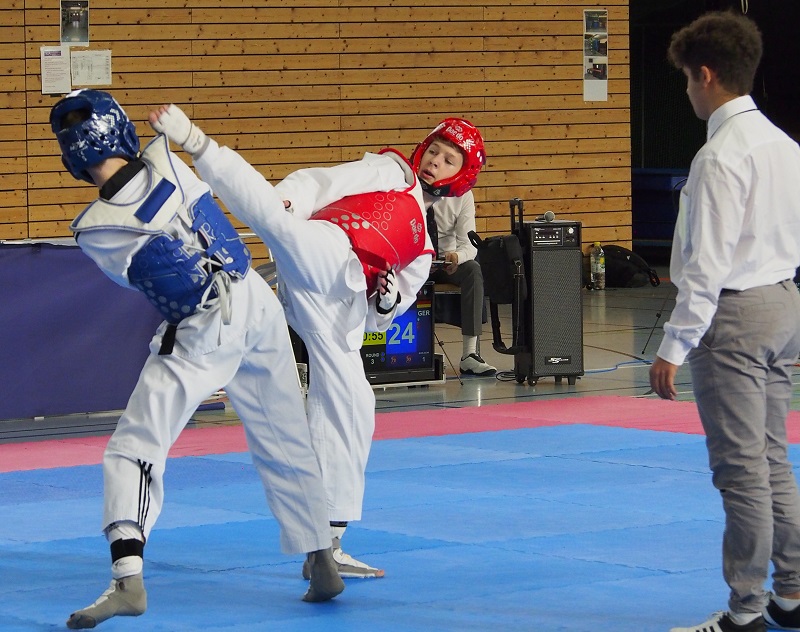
[
  {"x": 464, "y": 136},
  {"x": 447, "y": 163},
  {"x": 355, "y": 268}
]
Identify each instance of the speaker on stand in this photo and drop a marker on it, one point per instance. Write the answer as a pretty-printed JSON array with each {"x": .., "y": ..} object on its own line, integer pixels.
[{"x": 553, "y": 310}]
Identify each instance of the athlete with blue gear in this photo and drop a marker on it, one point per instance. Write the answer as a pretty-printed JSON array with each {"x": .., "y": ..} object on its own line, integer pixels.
[{"x": 156, "y": 228}]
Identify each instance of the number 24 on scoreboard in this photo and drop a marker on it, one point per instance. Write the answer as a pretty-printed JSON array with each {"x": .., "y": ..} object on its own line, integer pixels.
[{"x": 398, "y": 333}]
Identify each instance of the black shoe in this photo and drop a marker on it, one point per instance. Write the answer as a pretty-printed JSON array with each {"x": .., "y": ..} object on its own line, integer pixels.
[
  {"x": 721, "y": 622},
  {"x": 779, "y": 619}
]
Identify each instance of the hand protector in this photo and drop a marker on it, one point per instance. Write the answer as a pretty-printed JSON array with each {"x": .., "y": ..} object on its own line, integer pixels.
[
  {"x": 179, "y": 129},
  {"x": 388, "y": 292}
]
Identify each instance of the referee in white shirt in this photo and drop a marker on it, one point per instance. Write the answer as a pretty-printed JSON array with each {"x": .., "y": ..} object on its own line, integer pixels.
[{"x": 737, "y": 317}]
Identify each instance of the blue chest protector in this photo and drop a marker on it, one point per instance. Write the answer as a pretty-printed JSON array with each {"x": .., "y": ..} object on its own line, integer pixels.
[{"x": 176, "y": 277}]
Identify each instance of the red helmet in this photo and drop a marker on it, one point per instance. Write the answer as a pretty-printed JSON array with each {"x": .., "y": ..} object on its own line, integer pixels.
[{"x": 466, "y": 136}]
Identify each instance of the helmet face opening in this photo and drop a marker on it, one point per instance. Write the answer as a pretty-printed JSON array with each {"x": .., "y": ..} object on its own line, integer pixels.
[
  {"x": 467, "y": 138},
  {"x": 90, "y": 127},
  {"x": 75, "y": 117}
]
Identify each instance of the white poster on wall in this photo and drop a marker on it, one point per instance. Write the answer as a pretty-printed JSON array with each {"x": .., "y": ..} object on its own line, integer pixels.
[
  {"x": 595, "y": 55},
  {"x": 91, "y": 67},
  {"x": 55, "y": 70}
]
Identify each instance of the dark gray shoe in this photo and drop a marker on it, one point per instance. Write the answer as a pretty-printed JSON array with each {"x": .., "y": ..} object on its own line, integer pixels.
[
  {"x": 325, "y": 581},
  {"x": 125, "y": 597}
]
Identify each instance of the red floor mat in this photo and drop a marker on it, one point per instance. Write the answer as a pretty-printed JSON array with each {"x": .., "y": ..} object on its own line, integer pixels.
[{"x": 622, "y": 412}]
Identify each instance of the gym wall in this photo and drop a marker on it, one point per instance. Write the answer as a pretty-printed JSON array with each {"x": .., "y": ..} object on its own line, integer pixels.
[{"x": 312, "y": 82}]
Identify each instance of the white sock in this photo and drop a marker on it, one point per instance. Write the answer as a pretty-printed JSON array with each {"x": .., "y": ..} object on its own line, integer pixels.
[
  {"x": 743, "y": 618},
  {"x": 127, "y": 566},
  {"x": 470, "y": 346},
  {"x": 786, "y": 604},
  {"x": 337, "y": 532}
]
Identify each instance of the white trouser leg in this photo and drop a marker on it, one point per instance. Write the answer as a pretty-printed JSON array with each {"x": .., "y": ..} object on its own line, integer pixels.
[{"x": 265, "y": 392}]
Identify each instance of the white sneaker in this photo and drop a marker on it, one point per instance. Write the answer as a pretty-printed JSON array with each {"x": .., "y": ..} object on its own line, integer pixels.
[
  {"x": 473, "y": 364},
  {"x": 125, "y": 597}
]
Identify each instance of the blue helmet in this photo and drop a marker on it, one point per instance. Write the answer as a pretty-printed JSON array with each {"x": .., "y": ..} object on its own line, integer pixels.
[{"x": 104, "y": 131}]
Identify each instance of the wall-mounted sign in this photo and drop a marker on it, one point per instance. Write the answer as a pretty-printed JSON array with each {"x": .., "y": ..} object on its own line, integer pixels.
[
  {"x": 75, "y": 22},
  {"x": 91, "y": 68},
  {"x": 595, "y": 55},
  {"x": 55, "y": 69}
]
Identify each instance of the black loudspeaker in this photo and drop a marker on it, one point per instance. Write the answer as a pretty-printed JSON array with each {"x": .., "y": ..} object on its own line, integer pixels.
[{"x": 552, "y": 313}]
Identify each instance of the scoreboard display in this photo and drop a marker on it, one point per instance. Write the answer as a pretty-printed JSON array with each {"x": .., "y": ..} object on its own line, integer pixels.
[{"x": 404, "y": 352}]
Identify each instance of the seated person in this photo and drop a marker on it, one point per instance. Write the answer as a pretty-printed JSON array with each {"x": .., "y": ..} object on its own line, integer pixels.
[{"x": 447, "y": 164}]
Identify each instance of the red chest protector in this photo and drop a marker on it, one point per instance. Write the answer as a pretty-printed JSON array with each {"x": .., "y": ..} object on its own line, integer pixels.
[{"x": 383, "y": 228}]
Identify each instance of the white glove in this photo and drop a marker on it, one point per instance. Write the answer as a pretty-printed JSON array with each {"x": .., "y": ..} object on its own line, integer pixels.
[
  {"x": 175, "y": 125},
  {"x": 388, "y": 292}
]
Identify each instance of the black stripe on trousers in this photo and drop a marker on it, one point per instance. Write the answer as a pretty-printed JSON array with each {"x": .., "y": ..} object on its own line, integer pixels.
[{"x": 145, "y": 479}]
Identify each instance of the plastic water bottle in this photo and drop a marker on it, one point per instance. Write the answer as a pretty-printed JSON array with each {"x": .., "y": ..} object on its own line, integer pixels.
[{"x": 597, "y": 263}]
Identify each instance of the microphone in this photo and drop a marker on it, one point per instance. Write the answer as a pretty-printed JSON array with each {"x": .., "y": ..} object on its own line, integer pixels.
[{"x": 548, "y": 216}]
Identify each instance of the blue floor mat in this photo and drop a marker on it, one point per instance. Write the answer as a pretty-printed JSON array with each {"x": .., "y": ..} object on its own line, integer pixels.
[{"x": 578, "y": 528}]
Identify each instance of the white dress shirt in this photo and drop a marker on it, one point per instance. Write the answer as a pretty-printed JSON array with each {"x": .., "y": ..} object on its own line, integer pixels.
[
  {"x": 739, "y": 221},
  {"x": 455, "y": 217}
]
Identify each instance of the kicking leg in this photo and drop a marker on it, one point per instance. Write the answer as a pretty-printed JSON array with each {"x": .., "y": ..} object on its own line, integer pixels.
[{"x": 126, "y": 596}]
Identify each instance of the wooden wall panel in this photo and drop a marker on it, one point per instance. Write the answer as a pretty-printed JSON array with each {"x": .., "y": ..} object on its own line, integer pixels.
[
  {"x": 316, "y": 82},
  {"x": 13, "y": 163}
]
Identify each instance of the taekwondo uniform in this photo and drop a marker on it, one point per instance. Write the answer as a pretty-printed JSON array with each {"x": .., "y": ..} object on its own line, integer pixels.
[
  {"x": 163, "y": 234},
  {"x": 327, "y": 282}
]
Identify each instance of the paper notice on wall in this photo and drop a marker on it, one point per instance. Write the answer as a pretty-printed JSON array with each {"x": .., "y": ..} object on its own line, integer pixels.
[
  {"x": 55, "y": 70},
  {"x": 595, "y": 55},
  {"x": 91, "y": 68}
]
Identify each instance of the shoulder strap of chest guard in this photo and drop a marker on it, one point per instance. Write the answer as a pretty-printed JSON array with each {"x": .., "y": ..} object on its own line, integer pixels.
[{"x": 157, "y": 208}]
